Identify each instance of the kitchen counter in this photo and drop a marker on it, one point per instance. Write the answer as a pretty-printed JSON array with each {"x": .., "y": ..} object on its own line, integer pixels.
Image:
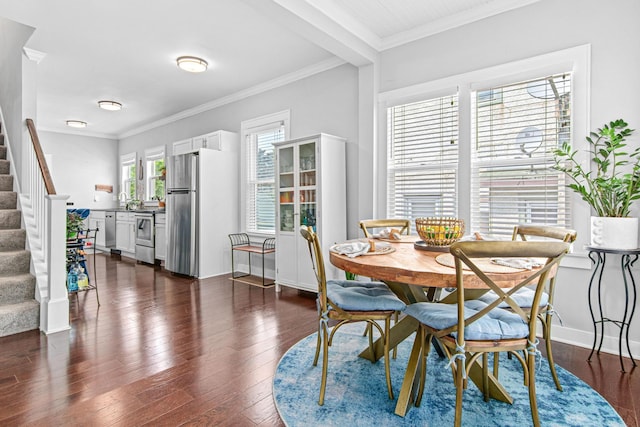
[{"x": 147, "y": 210}]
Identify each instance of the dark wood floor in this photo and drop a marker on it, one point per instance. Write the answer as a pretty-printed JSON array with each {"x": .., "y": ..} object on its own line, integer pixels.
[{"x": 164, "y": 350}]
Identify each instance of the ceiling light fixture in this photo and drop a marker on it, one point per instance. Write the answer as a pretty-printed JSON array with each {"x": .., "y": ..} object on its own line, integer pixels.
[
  {"x": 192, "y": 64},
  {"x": 76, "y": 124},
  {"x": 110, "y": 105}
]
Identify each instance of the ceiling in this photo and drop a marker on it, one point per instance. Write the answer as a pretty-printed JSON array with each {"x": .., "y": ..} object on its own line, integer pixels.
[{"x": 123, "y": 50}]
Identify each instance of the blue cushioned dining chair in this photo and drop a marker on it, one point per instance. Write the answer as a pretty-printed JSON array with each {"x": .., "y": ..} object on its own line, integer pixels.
[
  {"x": 348, "y": 301},
  {"x": 524, "y": 297},
  {"x": 469, "y": 330},
  {"x": 368, "y": 226}
]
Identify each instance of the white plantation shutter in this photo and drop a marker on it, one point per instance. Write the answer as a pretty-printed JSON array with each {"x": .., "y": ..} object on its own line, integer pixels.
[
  {"x": 261, "y": 179},
  {"x": 422, "y": 168},
  {"x": 514, "y": 130}
]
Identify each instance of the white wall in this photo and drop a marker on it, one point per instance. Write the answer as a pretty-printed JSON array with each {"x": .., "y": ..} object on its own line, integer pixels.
[
  {"x": 326, "y": 102},
  {"x": 13, "y": 37},
  {"x": 540, "y": 28},
  {"x": 78, "y": 163}
]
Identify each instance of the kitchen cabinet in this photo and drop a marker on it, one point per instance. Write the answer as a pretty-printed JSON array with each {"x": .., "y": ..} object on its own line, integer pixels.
[
  {"x": 220, "y": 140},
  {"x": 311, "y": 192},
  {"x": 161, "y": 236},
  {"x": 181, "y": 147},
  {"x": 97, "y": 221},
  {"x": 126, "y": 232}
]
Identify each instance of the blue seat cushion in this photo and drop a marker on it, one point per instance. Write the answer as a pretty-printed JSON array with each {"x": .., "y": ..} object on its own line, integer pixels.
[
  {"x": 495, "y": 325},
  {"x": 523, "y": 297},
  {"x": 363, "y": 296}
]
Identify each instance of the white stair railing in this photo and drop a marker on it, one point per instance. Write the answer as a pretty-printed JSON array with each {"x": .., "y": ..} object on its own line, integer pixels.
[{"x": 44, "y": 214}]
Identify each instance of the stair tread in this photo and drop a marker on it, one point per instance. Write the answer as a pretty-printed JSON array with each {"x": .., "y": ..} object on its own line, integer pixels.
[
  {"x": 18, "y": 306},
  {"x": 17, "y": 276}
]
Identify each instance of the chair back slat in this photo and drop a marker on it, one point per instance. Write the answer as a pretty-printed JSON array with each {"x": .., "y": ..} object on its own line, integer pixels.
[
  {"x": 557, "y": 233},
  {"x": 367, "y": 224}
]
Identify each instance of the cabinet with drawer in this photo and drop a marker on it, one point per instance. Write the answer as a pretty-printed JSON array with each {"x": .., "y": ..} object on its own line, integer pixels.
[{"x": 125, "y": 232}]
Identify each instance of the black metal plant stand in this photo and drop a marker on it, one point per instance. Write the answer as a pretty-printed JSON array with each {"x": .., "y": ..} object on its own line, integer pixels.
[{"x": 599, "y": 258}]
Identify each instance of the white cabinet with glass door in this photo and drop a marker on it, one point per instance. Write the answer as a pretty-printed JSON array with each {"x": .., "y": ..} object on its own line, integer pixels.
[{"x": 311, "y": 192}]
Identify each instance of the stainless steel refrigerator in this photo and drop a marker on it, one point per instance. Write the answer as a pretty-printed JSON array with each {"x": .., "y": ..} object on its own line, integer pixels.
[{"x": 182, "y": 214}]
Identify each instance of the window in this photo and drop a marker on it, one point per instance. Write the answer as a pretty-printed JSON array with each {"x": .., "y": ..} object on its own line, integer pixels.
[
  {"x": 155, "y": 169},
  {"x": 512, "y": 181},
  {"x": 422, "y": 158},
  {"x": 488, "y": 158},
  {"x": 259, "y": 207},
  {"x": 127, "y": 177}
]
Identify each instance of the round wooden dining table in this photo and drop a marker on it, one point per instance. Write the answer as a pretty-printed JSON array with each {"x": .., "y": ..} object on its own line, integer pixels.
[{"x": 418, "y": 275}]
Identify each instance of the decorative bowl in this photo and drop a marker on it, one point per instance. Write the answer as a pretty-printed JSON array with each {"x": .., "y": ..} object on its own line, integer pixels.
[{"x": 440, "y": 231}]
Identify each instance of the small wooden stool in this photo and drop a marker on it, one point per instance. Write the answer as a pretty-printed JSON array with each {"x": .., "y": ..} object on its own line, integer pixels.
[{"x": 241, "y": 242}]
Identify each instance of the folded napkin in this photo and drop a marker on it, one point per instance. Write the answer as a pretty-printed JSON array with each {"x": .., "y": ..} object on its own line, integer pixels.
[
  {"x": 389, "y": 233},
  {"x": 351, "y": 249},
  {"x": 526, "y": 263}
]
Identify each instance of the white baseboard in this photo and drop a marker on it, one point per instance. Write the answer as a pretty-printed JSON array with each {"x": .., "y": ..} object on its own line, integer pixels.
[{"x": 585, "y": 339}]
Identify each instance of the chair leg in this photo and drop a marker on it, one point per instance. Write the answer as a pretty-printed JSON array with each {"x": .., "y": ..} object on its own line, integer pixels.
[
  {"x": 531, "y": 365},
  {"x": 325, "y": 360},
  {"x": 395, "y": 320},
  {"x": 369, "y": 332},
  {"x": 546, "y": 330},
  {"x": 496, "y": 364},
  {"x": 425, "y": 342},
  {"x": 318, "y": 344},
  {"x": 459, "y": 376},
  {"x": 485, "y": 375},
  {"x": 387, "y": 361}
]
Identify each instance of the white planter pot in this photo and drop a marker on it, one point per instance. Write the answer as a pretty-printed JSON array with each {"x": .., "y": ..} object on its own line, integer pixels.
[{"x": 614, "y": 233}]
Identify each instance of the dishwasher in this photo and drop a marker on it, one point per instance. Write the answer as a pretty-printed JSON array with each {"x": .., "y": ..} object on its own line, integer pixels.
[{"x": 110, "y": 229}]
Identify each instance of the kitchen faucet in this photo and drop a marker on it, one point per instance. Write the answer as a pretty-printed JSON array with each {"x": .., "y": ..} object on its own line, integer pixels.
[{"x": 124, "y": 197}]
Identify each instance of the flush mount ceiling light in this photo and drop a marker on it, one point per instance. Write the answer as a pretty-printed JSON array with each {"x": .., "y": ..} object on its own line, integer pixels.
[
  {"x": 110, "y": 105},
  {"x": 192, "y": 64},
  {"x": 76, "y": 124}
]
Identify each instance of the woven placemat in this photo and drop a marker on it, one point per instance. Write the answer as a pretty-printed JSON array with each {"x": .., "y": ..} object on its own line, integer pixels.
[{"x": 485, "y": 264}]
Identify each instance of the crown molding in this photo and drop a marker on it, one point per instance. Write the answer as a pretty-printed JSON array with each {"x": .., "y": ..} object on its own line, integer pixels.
[
  {"x": 243, "y": 94},
  {"x": 80, "y": 133},
  {"x": 33, "y": 55},
  {"x": 457, "y": 20}
]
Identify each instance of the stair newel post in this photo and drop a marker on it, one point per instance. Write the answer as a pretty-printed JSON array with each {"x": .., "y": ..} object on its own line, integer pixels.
[{"x": 54, "y": 309}]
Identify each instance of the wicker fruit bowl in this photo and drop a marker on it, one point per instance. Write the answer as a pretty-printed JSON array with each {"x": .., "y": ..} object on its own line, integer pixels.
[{"x": 440, "y": 231}]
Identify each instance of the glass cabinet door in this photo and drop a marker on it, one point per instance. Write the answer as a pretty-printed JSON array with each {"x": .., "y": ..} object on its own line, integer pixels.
[
  {"x": 286, "y": 188},
  {"x": 307, "y": 183}
]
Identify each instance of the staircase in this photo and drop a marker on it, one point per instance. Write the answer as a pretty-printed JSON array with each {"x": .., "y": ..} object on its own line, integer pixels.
[{"x": 19, "y": 311}]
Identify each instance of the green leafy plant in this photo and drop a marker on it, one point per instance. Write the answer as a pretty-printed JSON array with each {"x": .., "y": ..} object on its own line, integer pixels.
[
  {"x": 74, "y": 223},
  {"x": 350, "y": 276},
  {"x": 611, "y": 188}
]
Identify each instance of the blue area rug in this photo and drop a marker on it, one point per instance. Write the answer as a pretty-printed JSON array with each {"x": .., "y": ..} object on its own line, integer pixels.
[{"x": 356, "y": 392}]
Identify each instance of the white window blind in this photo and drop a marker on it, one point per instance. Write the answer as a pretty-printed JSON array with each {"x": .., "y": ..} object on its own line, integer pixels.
[
  {"x": 514, "y": 130},
  {"x": 261, "y": 209},
  {"x": 422, "y": 168}
]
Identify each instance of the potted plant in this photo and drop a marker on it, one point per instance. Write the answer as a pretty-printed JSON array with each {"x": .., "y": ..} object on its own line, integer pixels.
[{"x": 610, "y": 187}]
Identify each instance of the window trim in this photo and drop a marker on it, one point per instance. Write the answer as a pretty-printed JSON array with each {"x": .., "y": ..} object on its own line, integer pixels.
[
  {"x": 576, "y": 59},
  {"x": 248, "y": 127},
  {"x": 154, "y": 153},
  {"x": 126, "y": 159}
]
